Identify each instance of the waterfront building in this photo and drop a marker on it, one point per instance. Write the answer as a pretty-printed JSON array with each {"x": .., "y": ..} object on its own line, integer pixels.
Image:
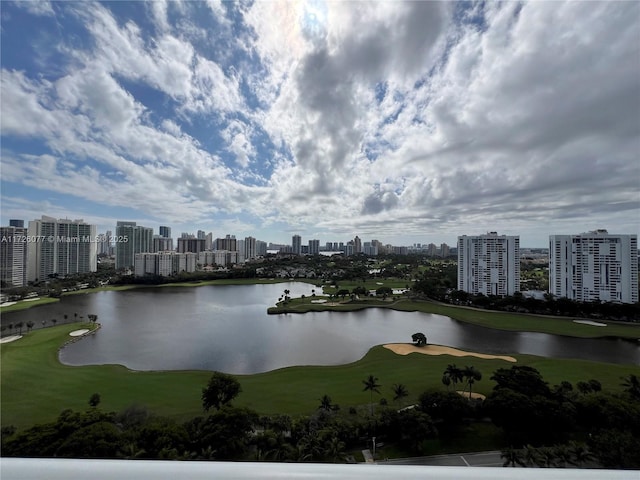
[
  {"x": 63, "y": 247},
  {"x": 261, "y": 248},
  {"x": 594, "y": 266},
  {"x": 129, "y": 240},
  {"x": 489, "y": 264},
  {"x": 162, "y": 244},
  {"x": 164, "y": 264},
  {"x": 13, "y": 254}
]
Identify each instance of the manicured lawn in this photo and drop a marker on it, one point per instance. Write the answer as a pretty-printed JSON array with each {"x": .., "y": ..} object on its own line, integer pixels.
[
  {"x": 24, "y": 304},
  {"x": 485, "y": 318},
  {"x": 36, "y": 387}
]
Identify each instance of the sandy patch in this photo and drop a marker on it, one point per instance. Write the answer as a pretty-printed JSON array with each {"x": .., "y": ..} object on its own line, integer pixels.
[
  {"x": 78, "y": 333},
  {"x": 319, "y": 301},
  {"x": 12, "y": 338},
  {"x": 31, "y": 299},
  {"x": 8, "y": 304},
  {"x": 589, "y": 322},
  {"x": 473, "y": 394},
  {"x": 407, "y": 348}
]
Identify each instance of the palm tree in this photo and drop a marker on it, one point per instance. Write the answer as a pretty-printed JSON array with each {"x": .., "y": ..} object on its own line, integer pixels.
[
  {"x": 54, "y": 321},
  {"x": 325, "y": 403},
  {"x": 453, "y": 374},
  {"x": 580, "y": 454},
  {"x": 44, "y": 322},
  {"x": 19, "y": 326},
  {"x": 371, "y": 384},
  {"x": 334, "y": 449},
  {"x": 399, "y": 392},
  {"x": 531, "y": 455},
  {"x": 10, "y": 326},
  {"x": 30, "y": 325},
  {"x": 632, "y": 385},
  {"x": 472, "y": 375},
  {"x": 512, "y": 457}
]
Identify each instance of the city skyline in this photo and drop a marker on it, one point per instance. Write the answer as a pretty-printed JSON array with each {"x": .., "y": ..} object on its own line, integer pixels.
[{"x": 403, "y": 122}]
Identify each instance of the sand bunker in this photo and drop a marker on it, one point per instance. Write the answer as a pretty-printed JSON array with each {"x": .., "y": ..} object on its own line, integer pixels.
[
  {"x": 473, "y": 394},
  {"x": 12, "y": 338},
  {"x": 407, "y": 348},
  {"x": 590, "y": 322},
  {"x": 77, "y": 333}
]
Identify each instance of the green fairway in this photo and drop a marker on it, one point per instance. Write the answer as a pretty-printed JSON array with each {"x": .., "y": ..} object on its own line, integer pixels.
[
  {"x": 36, "y": 387},
  {"x": 24, "y": 304},
  {"x": 485, "y": 318}
]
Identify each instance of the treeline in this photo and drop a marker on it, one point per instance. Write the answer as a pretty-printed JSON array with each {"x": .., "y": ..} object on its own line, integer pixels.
[
  {"x": 249, "y": 272},
  {"x": 442, "y": 289},
  {"x": 545, "y": 426}
]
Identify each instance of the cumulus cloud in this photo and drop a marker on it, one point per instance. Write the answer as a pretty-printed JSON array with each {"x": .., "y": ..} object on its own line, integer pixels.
[{"x": 411, "y": 117}]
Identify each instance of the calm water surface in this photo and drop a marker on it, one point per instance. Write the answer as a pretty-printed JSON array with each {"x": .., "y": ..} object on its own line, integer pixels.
[{"x": 227, "y": 328}]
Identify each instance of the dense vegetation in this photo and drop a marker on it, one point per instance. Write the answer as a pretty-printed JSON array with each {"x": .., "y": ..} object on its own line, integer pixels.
[{"x": 555, "y": 425}]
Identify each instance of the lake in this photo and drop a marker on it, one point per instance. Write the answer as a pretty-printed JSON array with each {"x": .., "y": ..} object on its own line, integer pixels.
[{"x": 227, "y": 328}]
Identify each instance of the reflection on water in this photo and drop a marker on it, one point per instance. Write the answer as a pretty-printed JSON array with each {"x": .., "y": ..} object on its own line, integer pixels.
[{"x": 227, "y": 328}]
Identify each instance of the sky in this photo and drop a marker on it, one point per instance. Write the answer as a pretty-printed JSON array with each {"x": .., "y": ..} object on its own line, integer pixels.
[{"x": 402, "y": 122}]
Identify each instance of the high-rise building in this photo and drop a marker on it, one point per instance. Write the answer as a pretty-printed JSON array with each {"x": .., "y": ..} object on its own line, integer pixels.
[
  {"x": 162, "y": 244},
  {"x": 164, "y": 231},
  {"x": 444, "y": 250},
  {"x": 489, "y": 264},
  {"x": 131, "y": 239},
  {"x": 370, "y": 249},
  {"x": 64, "y": 247},
  {"x": 208, "y": 241},
  {"x": 314, "y": 247},
  {"x": 193, "y": 245},
  {"x": 261, "y": 248},
  {"x": 296, "y": 244},
  {"x": 357, "y": 245},
  {"x": 250, "y": 248},
  {"x": 228, "y": 243},
  {"x": 201, "y": 234},
  {"x": 13, "y": 255},
  {"x": 16, "y": 223},
  {"x": 594, "y": 266}
]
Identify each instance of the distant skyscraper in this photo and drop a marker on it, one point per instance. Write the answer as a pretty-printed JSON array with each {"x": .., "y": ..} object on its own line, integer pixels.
[
  {"x": 594, "y": 266},
  {"x": 250, "y": 246},
  {"x": 357, "y": 245},
  {"x": 228, "y": 243},
  {"x": 16, "y": 223},
  {"x": 201, "y": 234},
  {"x": 314, "y": 247},
  {"x": 13, "y": 255},
  {"x": 192, "y": 245},
  {"x": 444, "y": 250},
  {"x": 165, "y": 231},
  {"x": 129, "y": 240},
  {"x": 296, "y": 244},
  {"x": 66, "y": 247},
  {"x": 261, "y": 248},
  {"x": 489, "y": 264},
  {"x": 208, "y": 241}
]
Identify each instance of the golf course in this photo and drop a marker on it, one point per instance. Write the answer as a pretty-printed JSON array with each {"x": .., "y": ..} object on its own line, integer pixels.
[{"x": 36, "y": 387}]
